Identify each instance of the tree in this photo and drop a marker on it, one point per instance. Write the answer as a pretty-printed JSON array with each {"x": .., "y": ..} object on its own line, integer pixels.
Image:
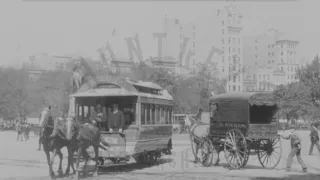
[
  {"x": 310, "y": 77},
  {"x": 294, "y": 101}
]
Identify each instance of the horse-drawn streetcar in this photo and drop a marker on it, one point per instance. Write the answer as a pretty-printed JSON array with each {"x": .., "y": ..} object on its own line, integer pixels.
[
  {"x": 147, "y": 113},
  {"x": 242, "y": 124}
]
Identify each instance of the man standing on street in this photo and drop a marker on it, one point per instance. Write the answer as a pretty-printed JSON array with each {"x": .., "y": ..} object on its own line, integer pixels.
[
  {"x": 314, "y": 137},
  {"x": 295, "y": 149},
  {"x": 115, "y": 119}
]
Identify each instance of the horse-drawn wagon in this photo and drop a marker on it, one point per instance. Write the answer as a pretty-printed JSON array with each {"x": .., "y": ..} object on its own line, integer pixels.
[
  {"x": 242, "y": 124},
  {"x": 148, "y": 119}
]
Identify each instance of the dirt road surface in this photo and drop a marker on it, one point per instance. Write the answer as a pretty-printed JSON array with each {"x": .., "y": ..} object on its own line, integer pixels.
[{"x": 21, "y": 160}]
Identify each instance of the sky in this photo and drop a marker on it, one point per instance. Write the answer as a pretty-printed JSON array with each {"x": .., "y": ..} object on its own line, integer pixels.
[{"x": 82, "y": 27}]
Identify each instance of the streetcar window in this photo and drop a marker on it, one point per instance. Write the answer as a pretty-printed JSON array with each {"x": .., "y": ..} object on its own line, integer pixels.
[
  {"x": 129, "y": 114},
  {"x": 162, "y": 120},
  {"x": 153, "y": 114},
  {"x": 148, "y": 113},
  {"x": 170, "y": 115},
  {"x": 158, "y": 114},
  {"x": 166, "y": 115},
  {"x": 143, "y": 115}
]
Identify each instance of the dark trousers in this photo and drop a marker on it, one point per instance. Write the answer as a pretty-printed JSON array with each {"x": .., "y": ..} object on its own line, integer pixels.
[
  {"x": 295, "y": 152},
  {"x": 314, "y": 142}
]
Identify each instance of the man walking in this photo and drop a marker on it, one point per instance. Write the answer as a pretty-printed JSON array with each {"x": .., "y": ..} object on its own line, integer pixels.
[
  {"x": 115, "y": 119},
  {"x": 314, "y": 137},
  {"x": 295, "y": 149}
]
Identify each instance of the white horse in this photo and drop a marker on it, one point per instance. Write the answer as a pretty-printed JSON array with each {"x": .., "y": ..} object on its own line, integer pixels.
[{"x": 197, "y": 131}]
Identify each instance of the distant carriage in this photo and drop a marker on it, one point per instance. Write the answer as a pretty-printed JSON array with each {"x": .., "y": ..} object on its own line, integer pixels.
[
  {"x": 245, "y": 124},
  {"x": 148, "y": 119}
]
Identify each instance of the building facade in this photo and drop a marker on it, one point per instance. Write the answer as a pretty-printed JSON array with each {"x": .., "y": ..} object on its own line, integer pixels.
[
  {"x": 222, "y": 29},
  {"x": 179, "y": 42},
  {"x": 274, "y": 56}
]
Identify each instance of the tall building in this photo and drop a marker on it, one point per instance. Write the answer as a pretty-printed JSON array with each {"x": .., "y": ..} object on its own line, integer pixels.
[
  {"x": 179, "y": 43},
  {"x": 222, "y": 30},
  {"x": 273, "y": 51}
]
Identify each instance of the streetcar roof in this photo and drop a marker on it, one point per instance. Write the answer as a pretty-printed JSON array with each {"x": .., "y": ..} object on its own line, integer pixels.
[
  {"x": 264, "y": 98},
  {"x": 112, "y": 89}
]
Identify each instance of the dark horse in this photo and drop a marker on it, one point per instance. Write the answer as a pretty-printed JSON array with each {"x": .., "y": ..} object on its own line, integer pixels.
[
  {"x": 88, "y": 135},
  {"x": 56, "y": 142}
]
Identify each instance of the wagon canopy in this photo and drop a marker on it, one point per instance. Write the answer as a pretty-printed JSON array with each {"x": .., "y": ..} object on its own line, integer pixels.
[
  {"x": 235, "y": 107},
  {"x": 259, "y": 99}
]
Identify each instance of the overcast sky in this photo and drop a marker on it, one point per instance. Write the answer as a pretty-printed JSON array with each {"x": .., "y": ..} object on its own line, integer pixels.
[{"x": 82, "y": 27}]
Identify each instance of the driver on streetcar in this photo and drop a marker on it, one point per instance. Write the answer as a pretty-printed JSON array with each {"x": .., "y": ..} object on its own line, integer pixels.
[
  {"x": 115, "y": 119},
  {"x": 98, "y": 118}
]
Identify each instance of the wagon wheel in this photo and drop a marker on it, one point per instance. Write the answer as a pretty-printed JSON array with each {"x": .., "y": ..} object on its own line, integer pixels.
[
  {"x": 235, "y": 149},
  {"x": 193, "y": 145},
  {"x": 270, "y": 152},
  {"x": 206, "y": 151}
]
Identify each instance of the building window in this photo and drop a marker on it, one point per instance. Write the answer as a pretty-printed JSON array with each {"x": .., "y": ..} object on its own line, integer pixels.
[
  {"x": 222, "y": 41},
  {"x": 269, "y": 62},
  {"x": 229, "y": 78},
  {"x": 268, "y": 53},
  {"x": 239, "y": 51},
  {"x": 272, "y": 61},
  {"x": 229, "y": 88},
  {"x": 281, "y": 45},
  {"x": 281, "y": 68},
  {"x": 281, "y": 53},
  {"x": 238, "y": 40},
  {"x": 234, "y": 88},
  {"x": 281, "y": 61},
  {"x": 222, "y": 49},
  {"x": 222, "y": 22},
  {"x": 234, "y": 79},
  {"x": 239, "y": 88},
  {"x": 233, "y": 50},
  {"x": 229, "y": 40},
  {"x": 222, "y": 31},
  {"x": 194, "y": 44},
  {"x": 229, "y": 49}
]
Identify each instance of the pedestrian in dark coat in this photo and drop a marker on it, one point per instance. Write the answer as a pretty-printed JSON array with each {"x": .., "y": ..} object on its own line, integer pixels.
[
  {"x": 314, "y": 137},
  {"x": 115, "y": 119}
]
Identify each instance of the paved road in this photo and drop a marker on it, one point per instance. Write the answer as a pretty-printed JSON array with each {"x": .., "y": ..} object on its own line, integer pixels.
[{"x": 21, "y": 160}]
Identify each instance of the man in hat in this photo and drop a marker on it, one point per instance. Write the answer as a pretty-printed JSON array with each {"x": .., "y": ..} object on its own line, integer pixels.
[
  {"x": 295, "y": 149},
  {"x": 98, "y": 117},
  {"x": 115, "y": 119},
  {"x": 314, "y": 137}
]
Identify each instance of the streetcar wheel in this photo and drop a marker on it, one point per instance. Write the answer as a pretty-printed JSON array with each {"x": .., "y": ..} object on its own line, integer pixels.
[
  {"x": 270, "y": 152},
  {"x": 235, "y": 149},
  {"x": 206, "y": 153}
]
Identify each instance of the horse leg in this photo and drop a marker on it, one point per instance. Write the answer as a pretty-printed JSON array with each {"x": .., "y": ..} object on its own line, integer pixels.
[
  {"x": 86, "y": 158},
  {"x": 51, "y": 173},
  {"x": 70, "y": 160},
  {"x": 60, "y": 163},
  {"x": 196, "y": 159},
  {"x": 54, "y": 153},
  {"x": 78, "y": 162},
  {"x": 96, "y": 148},
  {"x": 18, "y": 136}
]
